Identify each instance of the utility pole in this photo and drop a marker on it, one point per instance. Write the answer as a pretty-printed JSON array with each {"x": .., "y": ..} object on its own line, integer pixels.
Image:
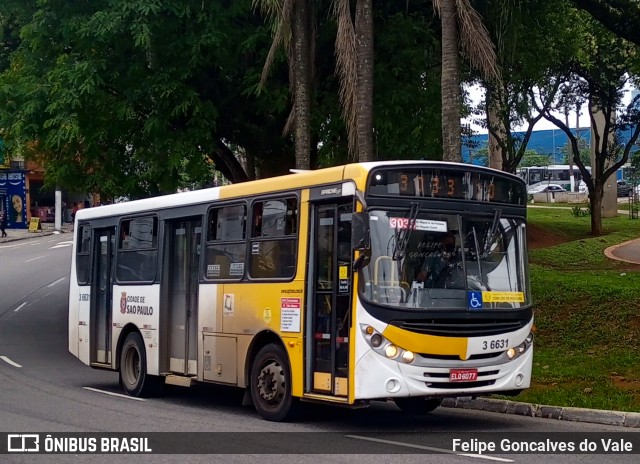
[
  {"x": 572, "y": 181},
  {"x": 58, "y": 210}
]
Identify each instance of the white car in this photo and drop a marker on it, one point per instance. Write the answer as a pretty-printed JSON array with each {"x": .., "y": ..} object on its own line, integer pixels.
[{"x": 545, "y": 187}]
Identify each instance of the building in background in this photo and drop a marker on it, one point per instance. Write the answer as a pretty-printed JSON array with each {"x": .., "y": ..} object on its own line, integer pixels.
[
  {"x": 550, "y": 142},
  {"x": 22, "y": 195}
]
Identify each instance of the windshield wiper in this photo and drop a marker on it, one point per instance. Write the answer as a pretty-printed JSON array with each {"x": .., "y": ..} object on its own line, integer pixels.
[
  {"x": 402, "y": 235},
  {"x": 492, "y": 232}
]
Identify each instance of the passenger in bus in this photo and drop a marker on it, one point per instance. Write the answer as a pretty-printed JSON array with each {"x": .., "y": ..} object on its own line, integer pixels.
[{"x": 257, "y": 220}]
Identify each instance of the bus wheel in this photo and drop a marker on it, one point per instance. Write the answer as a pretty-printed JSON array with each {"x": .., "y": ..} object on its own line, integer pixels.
[
  {"x": 271, "y": 384},
  {"x": 417, "y": 404},
  {"x": 133, "y": 367}
]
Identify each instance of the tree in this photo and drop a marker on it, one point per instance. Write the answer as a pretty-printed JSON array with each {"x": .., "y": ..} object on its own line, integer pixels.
[
  {"x": 461, "y": 24},
  {"x": 599, "y": 77},
  {"x": 621, "y": 17},
  {"x": 533, "y": 158},
  {"x": 530, "y": 54},
  {"x": 354, "y": 65},
  {"x": 136, "y": 99}
]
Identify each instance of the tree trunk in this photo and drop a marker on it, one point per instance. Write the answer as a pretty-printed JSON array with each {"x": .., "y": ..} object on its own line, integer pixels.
[
  {"x": 227, "y": 163},
  {"x": 302, "y": 83},
  {"x": 596, "y": 210},
  {"x": 365, "y": 56},
  {"x": 496, "y": 125},
  {"x": 450, "y": 83},
  {"x": 251, "y": 165}
]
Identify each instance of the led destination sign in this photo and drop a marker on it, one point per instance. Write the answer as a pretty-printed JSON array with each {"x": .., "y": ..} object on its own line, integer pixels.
[{"x": 460, "y": 184}]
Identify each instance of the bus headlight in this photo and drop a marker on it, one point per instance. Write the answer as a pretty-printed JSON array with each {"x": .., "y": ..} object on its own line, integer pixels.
[
  {"x": 384, "y": 347},
  {"x": 391, "y": 351},
  {"x": 408, "y": 357},
  {"x": 514, "y": 352},
  {"x": 376, "y": 340}
]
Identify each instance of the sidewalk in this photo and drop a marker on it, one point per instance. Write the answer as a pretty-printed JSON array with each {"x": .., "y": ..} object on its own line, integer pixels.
[
  {"x": 47, "y": 229},
  {"x": 629, "y": 252}
]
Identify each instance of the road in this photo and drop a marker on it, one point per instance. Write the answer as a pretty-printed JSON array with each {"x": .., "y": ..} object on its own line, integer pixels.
[{"x": 45, "y": 389}]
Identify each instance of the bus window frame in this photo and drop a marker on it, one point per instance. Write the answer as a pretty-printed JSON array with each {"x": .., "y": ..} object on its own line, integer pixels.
[
  {"x": 83, "y": 253},
  {"x": 120, "y": 250},
  {"x": 208, "y": 242},
  {"x": 251, "y": 239}
]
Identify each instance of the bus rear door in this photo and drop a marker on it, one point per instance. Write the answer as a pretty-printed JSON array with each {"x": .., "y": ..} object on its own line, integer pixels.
[
  {"x": 180, "y": 292},
  {"x": 102, "y": 295}
]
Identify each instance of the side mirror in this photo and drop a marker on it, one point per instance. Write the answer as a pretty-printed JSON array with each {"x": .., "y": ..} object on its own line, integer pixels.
[
  {"x": 360, "y": 239},
  {"x": 360, "y": 231}
]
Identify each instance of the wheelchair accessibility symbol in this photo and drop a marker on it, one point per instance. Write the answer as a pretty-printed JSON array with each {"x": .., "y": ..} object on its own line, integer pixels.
[{"x": 474, "y": 300}]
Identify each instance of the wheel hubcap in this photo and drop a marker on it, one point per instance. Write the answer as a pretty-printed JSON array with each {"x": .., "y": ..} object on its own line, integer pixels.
[
  {"x": 271, "y": 382},
  {"x": 133, "y": 366}
]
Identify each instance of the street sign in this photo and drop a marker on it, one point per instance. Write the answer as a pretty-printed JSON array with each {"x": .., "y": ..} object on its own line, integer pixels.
[{"x": 34, "y": 225}]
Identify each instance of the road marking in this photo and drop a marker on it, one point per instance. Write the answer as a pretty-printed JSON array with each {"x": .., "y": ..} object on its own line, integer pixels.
[
  {"x": 56, "y": 282},
  {"x": 114, "y": 394},
  {"x": 65, "y": 244},
  {"x": 429, "y": 448},
  {"x": 8, "y": 361},
  {"x": 20, "y": 307},
  {"x": 33, "y": 259},
  {"x": 33, "y": 243}
]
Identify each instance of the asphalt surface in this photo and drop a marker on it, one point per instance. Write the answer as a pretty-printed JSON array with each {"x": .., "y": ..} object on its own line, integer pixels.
[{"x": 627, "y": 251}]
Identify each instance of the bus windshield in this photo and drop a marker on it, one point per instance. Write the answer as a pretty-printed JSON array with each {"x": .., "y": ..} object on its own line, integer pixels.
[{"x": 446, "y": 261}]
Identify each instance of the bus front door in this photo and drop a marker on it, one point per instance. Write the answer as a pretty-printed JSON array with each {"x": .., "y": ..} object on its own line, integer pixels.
[
  {"x": 329, "y": 321},
  {"x": 102, "y": 295},
  {"x": 181, "y": 256}
]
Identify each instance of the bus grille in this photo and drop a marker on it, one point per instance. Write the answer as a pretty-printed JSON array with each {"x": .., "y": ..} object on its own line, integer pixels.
[
  {"x": 460, "y": 327},
  {"x": 458, "y": 385},
  {"x": 455, "y": 357}
]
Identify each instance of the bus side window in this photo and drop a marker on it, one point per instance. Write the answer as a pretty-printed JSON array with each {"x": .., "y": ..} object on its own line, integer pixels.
[
  {"x": 274, "y": 239},
  {"x": 83, "y": 259},
  {"x": 138, "y": 250},
  {"x": 226, "y": 245}
]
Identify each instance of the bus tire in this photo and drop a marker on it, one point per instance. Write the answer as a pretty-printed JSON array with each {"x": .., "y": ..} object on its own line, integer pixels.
[
  {"x": 417, "y": 404},
  {"x": 133, "y": 368},
  {"x": 271, "y": 384}
]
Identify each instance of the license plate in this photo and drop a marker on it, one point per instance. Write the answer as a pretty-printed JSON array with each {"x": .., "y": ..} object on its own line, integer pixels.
[{"x": 463, "y": 375}]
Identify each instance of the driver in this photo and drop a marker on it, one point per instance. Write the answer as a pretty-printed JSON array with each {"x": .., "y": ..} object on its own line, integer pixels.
[{"x": 431, "y": 271}]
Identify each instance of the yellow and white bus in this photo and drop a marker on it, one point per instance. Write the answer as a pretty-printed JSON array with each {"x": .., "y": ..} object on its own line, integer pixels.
[{"x": 401, "y": 280}]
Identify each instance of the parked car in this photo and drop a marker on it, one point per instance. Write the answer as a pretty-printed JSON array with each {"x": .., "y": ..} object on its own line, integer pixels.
[
  {"x": 545, "y": 187},
  {"x": 624, "y": 188}
]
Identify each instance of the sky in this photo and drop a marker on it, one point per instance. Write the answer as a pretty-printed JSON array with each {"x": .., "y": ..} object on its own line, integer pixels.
[{"x": 476, "y": 93}]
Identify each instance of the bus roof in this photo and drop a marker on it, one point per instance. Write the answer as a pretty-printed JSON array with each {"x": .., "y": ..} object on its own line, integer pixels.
[{"x": 356, "y": 171}]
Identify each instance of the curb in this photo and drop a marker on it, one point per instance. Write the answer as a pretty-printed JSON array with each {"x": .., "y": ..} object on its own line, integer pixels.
[
  {"x": 594, "y": 416},
  {"x": 609, "y": 252},
  {"x": 24, "y": 235}
]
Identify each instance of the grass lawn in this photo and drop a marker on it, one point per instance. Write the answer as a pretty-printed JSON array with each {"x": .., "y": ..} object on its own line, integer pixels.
[{"x": 587, "y": 313}]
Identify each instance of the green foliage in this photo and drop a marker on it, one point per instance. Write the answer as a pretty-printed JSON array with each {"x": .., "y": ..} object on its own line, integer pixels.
[
  {"x": 132, "y": 98},
  {"x": 586, "y": 316},
  {"x": 533, "y": 158},
  {"x": 580, "y": 211}
]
